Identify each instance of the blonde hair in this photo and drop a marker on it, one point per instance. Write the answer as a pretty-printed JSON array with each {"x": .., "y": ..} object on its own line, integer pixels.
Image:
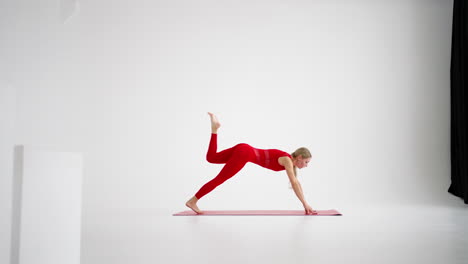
[{"x": 303, "y": 152}]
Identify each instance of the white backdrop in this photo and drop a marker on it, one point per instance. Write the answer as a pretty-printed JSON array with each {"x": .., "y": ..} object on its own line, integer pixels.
[{"x": 364, "y": 84}]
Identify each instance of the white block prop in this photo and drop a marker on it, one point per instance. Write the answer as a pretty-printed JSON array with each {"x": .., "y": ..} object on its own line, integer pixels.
[{"x": 46, "y": 222}]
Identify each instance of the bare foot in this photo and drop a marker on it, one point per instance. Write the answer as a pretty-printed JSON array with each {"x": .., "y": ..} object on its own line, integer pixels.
[
  {"x": 214, "y": 123},
  {"x": 192, "y": 204}
]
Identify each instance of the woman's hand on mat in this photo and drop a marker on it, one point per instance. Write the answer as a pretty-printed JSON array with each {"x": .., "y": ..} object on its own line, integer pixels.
[{"x": 309, "y": 210}]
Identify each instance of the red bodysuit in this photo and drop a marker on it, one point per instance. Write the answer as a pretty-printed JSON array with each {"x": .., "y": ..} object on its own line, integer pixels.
[{"x": 235, "y": 159}]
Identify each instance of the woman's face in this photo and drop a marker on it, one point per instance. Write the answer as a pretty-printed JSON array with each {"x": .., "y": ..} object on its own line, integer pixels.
[{"x": 301, "y": 162}]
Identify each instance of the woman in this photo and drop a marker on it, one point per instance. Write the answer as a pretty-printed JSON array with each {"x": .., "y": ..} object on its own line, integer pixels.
[{"x": 236, "y": 157}]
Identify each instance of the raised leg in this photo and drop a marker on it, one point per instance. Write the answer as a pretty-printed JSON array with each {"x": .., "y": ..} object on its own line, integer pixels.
[
  {"x": 212, "y": 156},
  {"x": 214, "y": 123}
]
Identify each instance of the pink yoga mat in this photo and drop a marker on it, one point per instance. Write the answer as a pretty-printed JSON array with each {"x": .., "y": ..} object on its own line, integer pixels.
[{"x": 259, "y": 212}]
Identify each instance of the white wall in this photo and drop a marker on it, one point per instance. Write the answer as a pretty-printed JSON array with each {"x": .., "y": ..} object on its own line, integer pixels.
[
  {"x": 364, "y": 84},
  {"x": 47, "y": 206},
  {"x": 7, "y": 116}
]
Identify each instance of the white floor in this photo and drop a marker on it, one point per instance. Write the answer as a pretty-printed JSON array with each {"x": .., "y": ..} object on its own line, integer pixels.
[{"x": 390, "y": 234}]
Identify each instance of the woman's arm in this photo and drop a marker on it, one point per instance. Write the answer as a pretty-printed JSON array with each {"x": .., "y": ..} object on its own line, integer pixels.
[{"x": 296, "y": 185}]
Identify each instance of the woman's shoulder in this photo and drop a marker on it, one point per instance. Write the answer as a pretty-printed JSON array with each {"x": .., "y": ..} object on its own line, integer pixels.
[{"x": 285, "y": 160}]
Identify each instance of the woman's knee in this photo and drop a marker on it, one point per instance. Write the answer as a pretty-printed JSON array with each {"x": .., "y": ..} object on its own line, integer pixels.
[{"x": 210, "y": 158}]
